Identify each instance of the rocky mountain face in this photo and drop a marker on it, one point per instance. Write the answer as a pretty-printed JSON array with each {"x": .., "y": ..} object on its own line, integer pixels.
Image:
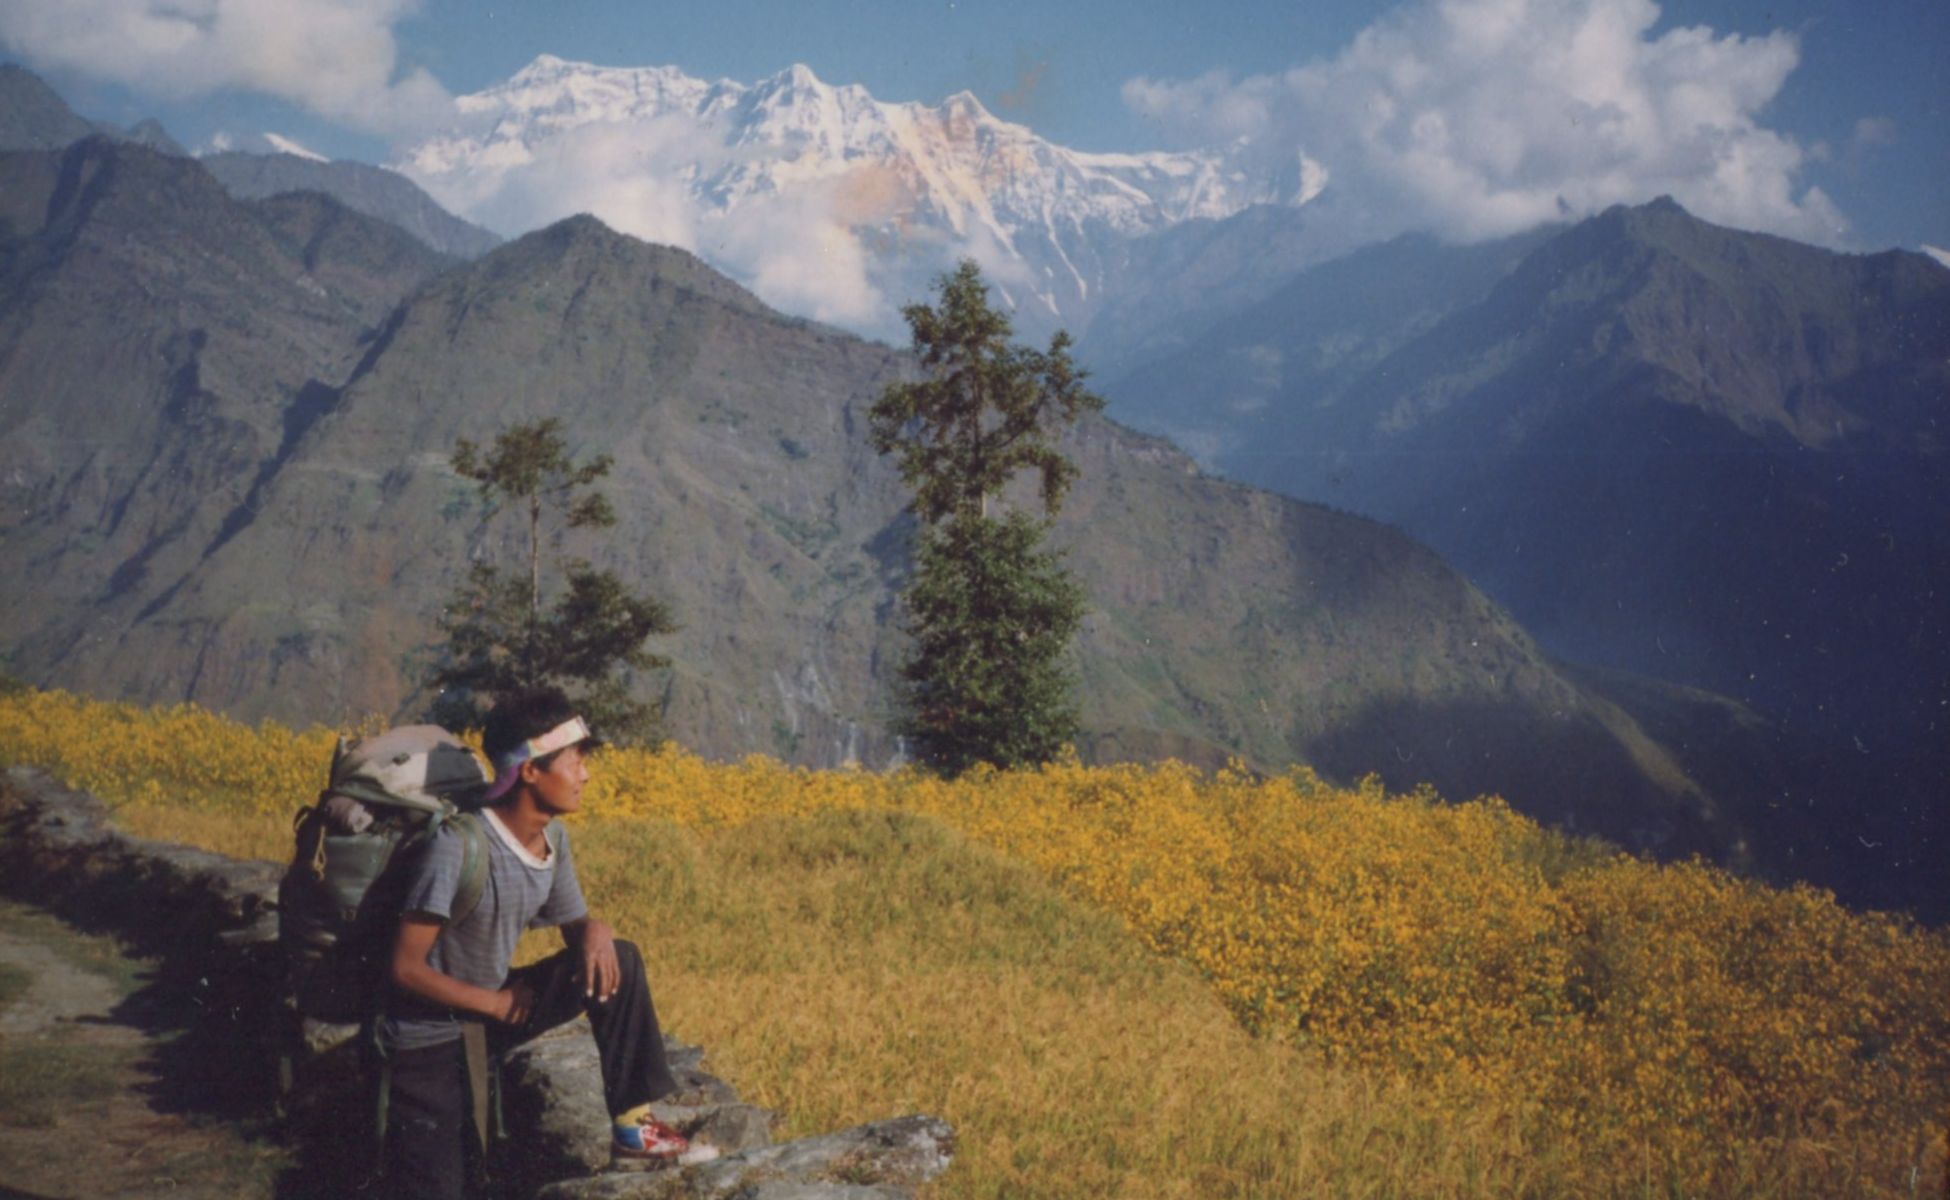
[
  {"x": 365, "y": 263},
  {"x": 1705, "y": 457},
  {"x": 225, "y": 485},
  {"x": 162, "y": 348},
  {"x": 374, "y": 191},
  {"x": 920, "y": 186},
  {"x": 33, "y": 116}
]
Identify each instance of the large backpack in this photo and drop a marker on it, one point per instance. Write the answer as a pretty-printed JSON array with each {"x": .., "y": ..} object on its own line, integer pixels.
[{"x": 339, "y": 901}]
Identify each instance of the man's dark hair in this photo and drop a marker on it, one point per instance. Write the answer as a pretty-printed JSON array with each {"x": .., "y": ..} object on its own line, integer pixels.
[{"x": 518, "y": 716}]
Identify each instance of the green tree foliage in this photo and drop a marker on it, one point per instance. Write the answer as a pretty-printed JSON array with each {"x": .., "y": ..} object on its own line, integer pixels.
[
  {"x": 991, "y": 609},
  {"x": 588, "y": 639}
]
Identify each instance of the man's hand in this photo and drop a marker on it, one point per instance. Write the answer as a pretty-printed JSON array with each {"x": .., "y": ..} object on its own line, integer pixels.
[
  {"x": 518, "y": 1003},
  {"x": 601, "y": 974}
]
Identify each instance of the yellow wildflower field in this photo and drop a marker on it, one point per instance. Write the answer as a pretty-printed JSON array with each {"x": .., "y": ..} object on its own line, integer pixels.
[{"x": 1152, "y": 980}]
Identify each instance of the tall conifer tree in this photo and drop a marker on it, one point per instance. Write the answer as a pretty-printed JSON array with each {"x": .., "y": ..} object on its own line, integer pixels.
[
  {"x": 500, "y": 636},
  {"x": 991, "y": 609}
]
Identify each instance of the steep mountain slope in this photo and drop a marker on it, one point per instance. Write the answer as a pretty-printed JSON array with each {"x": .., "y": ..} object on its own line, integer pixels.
[
  {"x": 1705, "y": 457},
  {"x": 1225, "y": 621},
  {"x": 919, "y": 186},
  {"x": 33, "y": 116},
  {"x": 161, "y": 346},
  {"x": 374, "y": 191},
  {"x": 1646, "y": 402},
  {"x": 365, "y": 263},
  {"x": 1675, "y": 405}
]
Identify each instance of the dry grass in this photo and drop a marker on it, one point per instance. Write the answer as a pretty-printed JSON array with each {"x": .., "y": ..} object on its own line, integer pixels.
[{"x": 1066, "y": 965}]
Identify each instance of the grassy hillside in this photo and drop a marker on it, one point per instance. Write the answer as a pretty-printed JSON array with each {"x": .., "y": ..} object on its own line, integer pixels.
[{"x": 1159, "y": 982}]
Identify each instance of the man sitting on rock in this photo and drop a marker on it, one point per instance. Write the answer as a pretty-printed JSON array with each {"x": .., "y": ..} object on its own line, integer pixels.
[{"x": 455, "y": 1000}]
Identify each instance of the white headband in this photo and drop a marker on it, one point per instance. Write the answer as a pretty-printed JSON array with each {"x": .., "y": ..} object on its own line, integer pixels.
[
  {"x": 508, "y": 766},
  {"x": 567, "y": 734}
]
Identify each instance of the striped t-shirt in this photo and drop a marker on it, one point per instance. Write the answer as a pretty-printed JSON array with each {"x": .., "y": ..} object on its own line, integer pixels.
[{"x": 521, "y": 892}]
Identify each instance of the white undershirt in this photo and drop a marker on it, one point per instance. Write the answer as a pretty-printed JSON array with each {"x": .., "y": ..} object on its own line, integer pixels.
[{"x": 522, "y": 852}]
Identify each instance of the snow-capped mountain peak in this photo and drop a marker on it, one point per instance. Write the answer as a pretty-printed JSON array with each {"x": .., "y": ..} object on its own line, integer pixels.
[
  {"x": 259, "y": 143},
  {"x": 825, "y": 199},
  {"x": 285, "y": 145}
]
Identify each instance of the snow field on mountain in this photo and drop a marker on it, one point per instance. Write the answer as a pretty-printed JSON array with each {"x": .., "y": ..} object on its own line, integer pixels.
[{"x": 909, "y": 187}]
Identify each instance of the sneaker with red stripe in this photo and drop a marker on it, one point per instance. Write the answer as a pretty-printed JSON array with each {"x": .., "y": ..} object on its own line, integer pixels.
[{"x": 641, "y": 1136}]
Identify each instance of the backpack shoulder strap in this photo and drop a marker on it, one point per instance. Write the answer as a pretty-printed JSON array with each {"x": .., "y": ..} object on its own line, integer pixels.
[{"x": 473, "y": 864}]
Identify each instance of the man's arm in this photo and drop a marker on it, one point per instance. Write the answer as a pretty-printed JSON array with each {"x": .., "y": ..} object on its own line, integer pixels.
[
  {"x": 596, "y": 942},
  {"x": 411, "y": 972},
  {"x": 592, "y": 940}
]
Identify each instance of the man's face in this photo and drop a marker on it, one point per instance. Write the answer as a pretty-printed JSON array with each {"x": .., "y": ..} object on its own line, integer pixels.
[{"x": 557, "y": 787}]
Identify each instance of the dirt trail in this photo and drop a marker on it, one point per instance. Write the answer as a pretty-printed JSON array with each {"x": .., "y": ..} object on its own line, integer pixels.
[
  {"x": 86, "y": 1109},
  {"x": 61, "y": 993}
]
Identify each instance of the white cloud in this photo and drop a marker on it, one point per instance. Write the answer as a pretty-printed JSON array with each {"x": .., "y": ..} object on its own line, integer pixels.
[
  {"x": 1941, "y": 255},
  {"x": 607, "y": 169},
  {"x": 1484, "y": 117},
  {"x": 336, "y": 58},
  {"x": 1875, "y": 131},
  {"x": 801, "y": 254},
  {"x": 797, "y": 248}
]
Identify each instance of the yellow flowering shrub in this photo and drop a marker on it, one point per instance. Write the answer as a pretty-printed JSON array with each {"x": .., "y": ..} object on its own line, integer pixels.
[
  {"x": 1716, "y": 1010},
  {"x": 1650, "y": 1027},
  {"x": 183, "y": 758}
]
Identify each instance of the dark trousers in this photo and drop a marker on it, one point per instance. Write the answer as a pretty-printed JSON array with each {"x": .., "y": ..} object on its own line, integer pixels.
[{"x": 432, "y": 1152}]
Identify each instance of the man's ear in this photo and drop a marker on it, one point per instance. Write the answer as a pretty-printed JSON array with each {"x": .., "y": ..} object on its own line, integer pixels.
[{"x": 530, "y": 772}]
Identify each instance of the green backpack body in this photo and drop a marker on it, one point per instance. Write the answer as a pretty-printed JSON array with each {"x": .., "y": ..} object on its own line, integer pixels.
[{"x": 340, "y": 899}]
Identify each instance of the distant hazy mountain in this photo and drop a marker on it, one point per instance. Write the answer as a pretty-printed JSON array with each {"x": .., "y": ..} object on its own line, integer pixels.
[
  {"x": 33, "y": 116},
  {"x": 374, "y": 191},
  {"x": 1167, "y": 288},
  {"x": 1210, "y": 385},
  {"x": 920, "y": 184},
  {"x": 1697, "y": 455},
  {"x": 220, "y": 490},
  {"x": 150, "y": 132}
]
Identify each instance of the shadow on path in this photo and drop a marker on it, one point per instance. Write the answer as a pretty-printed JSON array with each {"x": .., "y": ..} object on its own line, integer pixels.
[
  {"x": 215, "y": 1059},
  {"x": 124, "y": 1083}
]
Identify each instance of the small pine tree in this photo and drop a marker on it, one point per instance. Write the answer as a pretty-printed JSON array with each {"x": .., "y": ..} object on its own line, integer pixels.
[
  {"x": 499, "y": 634},
  {"x": 990, "y": 608}
]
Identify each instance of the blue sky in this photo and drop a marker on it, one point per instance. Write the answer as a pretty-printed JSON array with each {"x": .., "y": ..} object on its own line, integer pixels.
[{"x": 1863, "y": 107}]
